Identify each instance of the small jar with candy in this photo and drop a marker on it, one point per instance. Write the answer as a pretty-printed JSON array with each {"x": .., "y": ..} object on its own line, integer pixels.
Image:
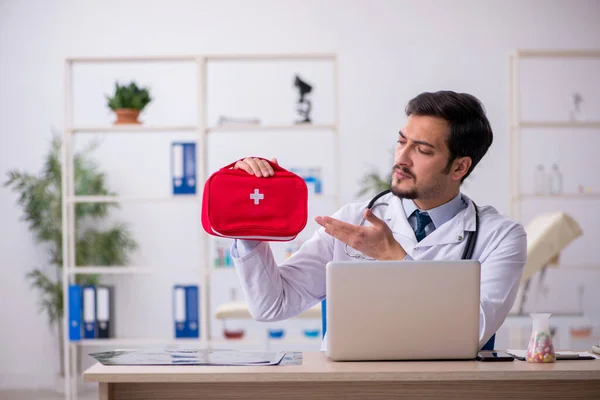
[{"x": 540, "y": 348}]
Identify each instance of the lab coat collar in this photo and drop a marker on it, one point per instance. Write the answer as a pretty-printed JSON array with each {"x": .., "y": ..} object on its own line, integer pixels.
[{"x": 452, "y": 232}]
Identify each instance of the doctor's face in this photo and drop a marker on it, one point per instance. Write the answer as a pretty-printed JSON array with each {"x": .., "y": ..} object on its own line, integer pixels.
[{"x": 421, "y": 170}]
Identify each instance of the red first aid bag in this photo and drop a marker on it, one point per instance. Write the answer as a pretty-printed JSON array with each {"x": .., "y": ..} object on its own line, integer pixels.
[{"x": 236, "y": 204}]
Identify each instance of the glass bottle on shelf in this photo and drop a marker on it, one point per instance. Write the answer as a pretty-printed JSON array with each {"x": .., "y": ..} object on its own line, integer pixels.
[
  {"x": 540, "y": 180},
  {"x": 222, "y": 257},
  {"x": 575, "y": 114},
  {"x": 233, "y": 329},
  {"x": 555, "y": 180}
]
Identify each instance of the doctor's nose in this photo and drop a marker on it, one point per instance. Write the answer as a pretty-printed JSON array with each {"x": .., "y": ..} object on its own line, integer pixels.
[{"x": 402, "y": 157}]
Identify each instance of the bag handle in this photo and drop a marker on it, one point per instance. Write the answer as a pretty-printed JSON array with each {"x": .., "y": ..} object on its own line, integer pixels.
[{"x": 276, "y": 167}]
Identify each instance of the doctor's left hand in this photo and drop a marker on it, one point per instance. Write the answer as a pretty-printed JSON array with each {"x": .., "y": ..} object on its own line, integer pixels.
[{"x": 375, "y": 241}]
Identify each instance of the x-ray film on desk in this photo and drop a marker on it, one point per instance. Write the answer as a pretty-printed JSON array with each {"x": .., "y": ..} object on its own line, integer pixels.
[{"x": 188, "y": 357}]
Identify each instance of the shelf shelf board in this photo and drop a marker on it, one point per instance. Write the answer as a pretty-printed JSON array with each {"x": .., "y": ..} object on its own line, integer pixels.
[
  {"x": 137, "y": 128},
  {"x": 239, "y": 310},
  {"x": 113, "y": 59},
  {"x": 257, "y": 127},
  {"x": 207, "y": 57},
  {"x": 578, "y": 196},
  {"x": 559, "y": 124},
  {"x": 134, "y": 199},
  {"x": 271, "y": 57},
  {"x": 224, "y": 343},
  {"x": 152, "y": 199},
  {"x": 115, "y": 342},
  {"x": 122, "y": 270},
  {"x": 192, "y": 342},
  {"x": 295, "y": 340},
  {"x": 288, "y": 341},
  {"x": 558, "y": 53}
]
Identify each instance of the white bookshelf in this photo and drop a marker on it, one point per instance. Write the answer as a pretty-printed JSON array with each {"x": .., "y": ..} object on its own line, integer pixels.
[
  {"x": 137, "y": 342},
  {"x": 559, "y": 124},
  {"x": 129, "y": 270},
  {"x": 574, "y": 196},
  {"x": 518, "y": 129},
  {"x": 262, "y": 128},
  {"x": 135, "y": 199},
  {"x": 200, "y": 132},
  {"x": 518, "y": 125},
  {"x": 134, "y": 129}
]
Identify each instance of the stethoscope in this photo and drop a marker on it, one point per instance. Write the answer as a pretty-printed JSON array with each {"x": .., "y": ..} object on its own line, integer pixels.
[{"x": 467, "y": 253}]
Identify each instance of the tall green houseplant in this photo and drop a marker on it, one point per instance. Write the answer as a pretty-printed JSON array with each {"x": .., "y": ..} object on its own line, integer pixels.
[{"x": 41, "y": 199}]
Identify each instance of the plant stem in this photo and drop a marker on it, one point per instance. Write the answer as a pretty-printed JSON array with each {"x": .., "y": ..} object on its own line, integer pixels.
[
  {"x": 60, "y": 329},
  {"x": 61, "y": 348}
]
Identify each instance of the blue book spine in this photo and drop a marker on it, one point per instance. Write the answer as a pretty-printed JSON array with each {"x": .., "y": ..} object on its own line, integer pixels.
[
  {"x": 192, "y": 311},
  {"x": 89, "y": 312},
  {"x": 75, "y": 312},
  {"x": 183, "y": 167},
  {"x": 179, "y": 311}
]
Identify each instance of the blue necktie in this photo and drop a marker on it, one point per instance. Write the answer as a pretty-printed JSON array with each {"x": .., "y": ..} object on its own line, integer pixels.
[{"x": 423, "y": 219}]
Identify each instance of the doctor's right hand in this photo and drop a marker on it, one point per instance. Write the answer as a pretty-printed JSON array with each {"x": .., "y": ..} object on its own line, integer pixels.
[{"x": 256, "y": 166}]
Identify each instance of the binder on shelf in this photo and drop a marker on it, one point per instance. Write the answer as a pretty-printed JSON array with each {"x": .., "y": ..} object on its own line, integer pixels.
[
  {"x": 89, "y": 312},
  {"x": 179, "y": 311},
  {"x": 104, "y": 311},
  {"x": 183, "y": 167},
  {"x": 185, "y": 311},
  {"x": 75, "y": 310},
  {"x": 312, "y": 177},
  {"x": 191, "y": 311}
]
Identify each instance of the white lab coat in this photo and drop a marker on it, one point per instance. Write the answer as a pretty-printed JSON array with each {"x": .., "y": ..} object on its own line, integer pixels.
[{"x": 276, "y": 293}]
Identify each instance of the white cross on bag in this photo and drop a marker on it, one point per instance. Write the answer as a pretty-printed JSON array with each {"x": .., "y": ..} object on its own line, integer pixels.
[{"x": 256, "y": 196}]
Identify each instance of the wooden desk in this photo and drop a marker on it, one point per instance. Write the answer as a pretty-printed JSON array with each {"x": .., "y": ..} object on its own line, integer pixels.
[{"x": 318, "y": 377}]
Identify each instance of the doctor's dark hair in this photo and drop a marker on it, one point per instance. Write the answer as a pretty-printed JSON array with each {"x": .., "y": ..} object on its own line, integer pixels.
[{"x": 470, "y": 131}]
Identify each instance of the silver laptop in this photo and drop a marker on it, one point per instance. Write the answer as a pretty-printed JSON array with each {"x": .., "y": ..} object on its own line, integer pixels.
[{"x": 403, "y": 310}]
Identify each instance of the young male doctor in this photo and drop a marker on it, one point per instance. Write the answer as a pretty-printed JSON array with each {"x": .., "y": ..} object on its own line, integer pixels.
[{"x": 446, "y": 134}]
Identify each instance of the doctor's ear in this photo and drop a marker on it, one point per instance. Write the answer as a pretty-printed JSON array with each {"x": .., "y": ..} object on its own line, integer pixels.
[{"x": 459, "y": 168}]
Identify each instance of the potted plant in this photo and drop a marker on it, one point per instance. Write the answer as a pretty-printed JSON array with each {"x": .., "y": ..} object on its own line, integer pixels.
[
  {"x": 128, "y": 101},
  {"x": 40, "y": 197}
]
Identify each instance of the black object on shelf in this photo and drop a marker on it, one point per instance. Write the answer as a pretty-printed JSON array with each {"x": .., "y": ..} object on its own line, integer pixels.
[{"x": 304, "y": 105}]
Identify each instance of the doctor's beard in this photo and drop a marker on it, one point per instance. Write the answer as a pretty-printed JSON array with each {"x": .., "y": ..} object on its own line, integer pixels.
[
  {"x": 414, "y": 192},
  {"x": 410, "y": 193}
]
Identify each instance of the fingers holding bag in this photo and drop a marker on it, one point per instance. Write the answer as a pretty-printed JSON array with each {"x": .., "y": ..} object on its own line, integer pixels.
[{"x": 256, "y": 166}]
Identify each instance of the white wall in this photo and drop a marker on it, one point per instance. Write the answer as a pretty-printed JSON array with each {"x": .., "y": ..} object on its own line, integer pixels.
[{"x": 388, "y": 51}]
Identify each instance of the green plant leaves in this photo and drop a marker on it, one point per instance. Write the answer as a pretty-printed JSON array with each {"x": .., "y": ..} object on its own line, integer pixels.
[
  {"x": 51, "y": 295},
  {"x": 372, "y": 182},
  {"x": 129, "y": 96},
  {"x": 40, "y": 197}
]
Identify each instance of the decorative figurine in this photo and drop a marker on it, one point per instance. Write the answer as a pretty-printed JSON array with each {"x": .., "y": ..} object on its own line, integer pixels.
[{"x": 304, "y": 105}]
